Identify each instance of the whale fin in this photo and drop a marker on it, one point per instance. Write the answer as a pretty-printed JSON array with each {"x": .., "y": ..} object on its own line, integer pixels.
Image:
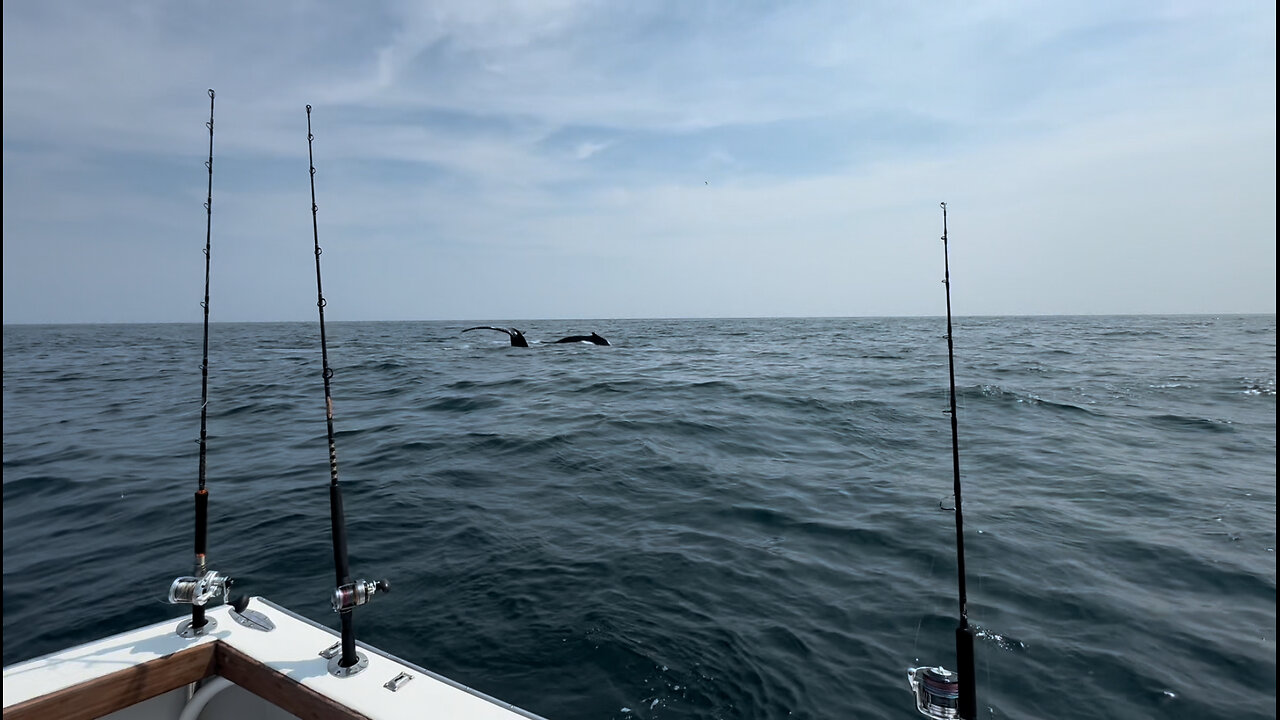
[{"x": 517, "y": 337}]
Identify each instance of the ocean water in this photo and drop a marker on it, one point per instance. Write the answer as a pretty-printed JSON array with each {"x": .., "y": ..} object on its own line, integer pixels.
[{"x": 708, "y": 519}]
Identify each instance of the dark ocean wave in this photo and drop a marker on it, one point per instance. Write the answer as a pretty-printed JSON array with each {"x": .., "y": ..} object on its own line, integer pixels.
[{"x": 1192, "y": 424}]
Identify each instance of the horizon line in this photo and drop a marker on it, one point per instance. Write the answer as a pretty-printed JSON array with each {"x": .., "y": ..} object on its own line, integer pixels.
[{"x": 630, "y": 318}]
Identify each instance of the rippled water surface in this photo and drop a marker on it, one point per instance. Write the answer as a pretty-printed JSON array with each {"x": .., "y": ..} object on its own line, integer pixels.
[{"x": 708, "y": 519}]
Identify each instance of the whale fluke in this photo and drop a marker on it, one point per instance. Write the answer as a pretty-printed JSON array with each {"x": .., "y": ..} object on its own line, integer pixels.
[
  {"x": 593, "y": 338},
  {"x": 517, "y": 337}
]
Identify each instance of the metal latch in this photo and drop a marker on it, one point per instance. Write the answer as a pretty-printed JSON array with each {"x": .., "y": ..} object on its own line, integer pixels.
[{"x": 397, "y": 682}]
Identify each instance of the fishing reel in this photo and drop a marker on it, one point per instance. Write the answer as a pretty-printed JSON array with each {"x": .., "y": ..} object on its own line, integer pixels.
[
  {"x": 937, "y": 691},
  {"x": 197, "y": 592},
  {"x": 188, "y": 590},
  {"x": 348, "y": 597}
]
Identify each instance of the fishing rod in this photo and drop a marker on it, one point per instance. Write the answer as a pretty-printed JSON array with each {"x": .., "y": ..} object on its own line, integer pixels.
[
  {"x": 348, "y": 594},
  {"x": 939, "y": 692},
  {"x": 206, "y": 584}
]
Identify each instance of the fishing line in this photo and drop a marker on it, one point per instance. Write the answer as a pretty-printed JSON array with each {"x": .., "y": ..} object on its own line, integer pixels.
[
  {"x": 915, "y": 643},
  {"x": 348, "y": 594}
]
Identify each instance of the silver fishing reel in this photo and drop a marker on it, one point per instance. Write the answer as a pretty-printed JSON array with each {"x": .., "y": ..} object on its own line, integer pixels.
[
  {"x": 937, "y": 691},
  {"x": 198, "y": 591},
  {"x": 351, "y": 595},
  {"x": 188, "y": 590}
]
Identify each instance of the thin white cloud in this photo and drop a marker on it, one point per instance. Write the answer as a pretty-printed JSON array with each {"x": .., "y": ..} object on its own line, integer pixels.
[{"x": 585, "y": 150}]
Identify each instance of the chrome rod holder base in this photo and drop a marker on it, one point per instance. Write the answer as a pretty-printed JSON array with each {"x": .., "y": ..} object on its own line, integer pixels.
[
  {"x": 187, "y": 630},
  {"x": 336, "y": 670}
]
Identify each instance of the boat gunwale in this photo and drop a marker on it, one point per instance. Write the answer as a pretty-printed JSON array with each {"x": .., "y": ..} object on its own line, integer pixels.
[
  {"x": 204, "y": 657},
  {"x": 413, "y": 666}
]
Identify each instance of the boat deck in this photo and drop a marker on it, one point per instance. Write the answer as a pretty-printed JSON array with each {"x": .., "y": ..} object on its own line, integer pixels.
[{"x": 285, "y": 668}]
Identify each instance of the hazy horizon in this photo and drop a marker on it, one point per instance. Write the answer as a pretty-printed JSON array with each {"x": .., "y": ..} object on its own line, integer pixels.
[{"x": 464, "y": 321}]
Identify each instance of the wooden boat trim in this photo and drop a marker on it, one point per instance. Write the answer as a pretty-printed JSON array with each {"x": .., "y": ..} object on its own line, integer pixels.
[
  {"x": 122, "y": 688},
  {"x": 128, "y": 687},
  {"x": 277, "y": 688}
]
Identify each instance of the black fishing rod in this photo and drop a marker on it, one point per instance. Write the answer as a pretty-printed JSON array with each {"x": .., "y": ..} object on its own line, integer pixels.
[
  {"x": 348, "y": 594},
  {"x": 939, "y": 692},
  {"x": 206, "y": 584},
  {"x": 964, "y": 633}
]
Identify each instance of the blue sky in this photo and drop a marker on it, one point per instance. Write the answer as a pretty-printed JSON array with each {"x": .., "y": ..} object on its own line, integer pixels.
[{"x": 584, "y": 159}]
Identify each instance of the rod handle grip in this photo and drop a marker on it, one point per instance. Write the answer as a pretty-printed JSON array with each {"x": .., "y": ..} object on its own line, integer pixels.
[{"x": 965, "y": 669}]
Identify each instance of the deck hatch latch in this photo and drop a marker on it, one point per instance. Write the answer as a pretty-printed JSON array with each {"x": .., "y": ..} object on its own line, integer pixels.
[
  {"x": 397, "y": 682},
  {"x": 252, "y": 619}
]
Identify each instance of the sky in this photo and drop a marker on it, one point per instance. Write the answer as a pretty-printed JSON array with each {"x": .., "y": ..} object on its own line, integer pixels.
[{"x": 565, "y": 159}]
